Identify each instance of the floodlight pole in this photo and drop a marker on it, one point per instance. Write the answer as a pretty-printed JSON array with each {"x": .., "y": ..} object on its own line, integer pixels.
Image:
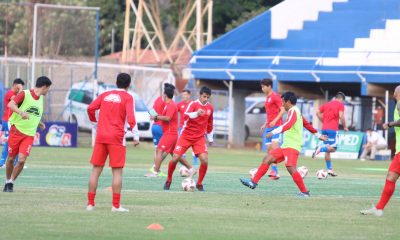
[{"x": 34, "y": 44}]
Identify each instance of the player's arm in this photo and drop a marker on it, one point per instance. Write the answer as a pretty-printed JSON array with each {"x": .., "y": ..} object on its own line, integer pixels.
[
  {"x": 291, "y": 120},
  {"x": 394, "y": 123},
  {"x": 168, "y": 115},
  {"x": 319, "y": 115},
  {"x": 13, "y": 105},
  {"x": 130, "y": 112},
  {"x": 278, "y": 103},
  {"x": 93, "y": 107},
  {"x": 343, "y": 121},
  {"x": 210, "y": 127},
  {"x": 307, "y": 125},
  {"x": 192, "y": 112}
]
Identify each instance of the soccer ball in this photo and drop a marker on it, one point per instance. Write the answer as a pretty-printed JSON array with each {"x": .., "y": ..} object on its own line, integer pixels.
[
  {"x": 184, "y": 172},
  {"x": 303, "y": 170},
  {"x": 322, "y": 174},
  {"x": 188, "y": 184},
  {"x": 253, "y": 172}
]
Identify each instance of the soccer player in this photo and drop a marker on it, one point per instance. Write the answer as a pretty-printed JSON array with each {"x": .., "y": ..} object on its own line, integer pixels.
[
  {"x": 182, "y": 106},
  {"x": 116, "y": 108},
  {"x": 329, "y": 114},
  {"x": 169, "y": 121},
  {"x": 394, "y": 168},
  {"x": 18, "y": 86},
  {"x": 292, "y": 131},
  {"x": 274, "y": 110},
  {"x": 27, "y": 108},
  {"x": 198, "y": 123}
]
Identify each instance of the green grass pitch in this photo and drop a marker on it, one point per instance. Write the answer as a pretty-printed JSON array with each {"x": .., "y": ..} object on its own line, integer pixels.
[{"x": 50, "y": 197}]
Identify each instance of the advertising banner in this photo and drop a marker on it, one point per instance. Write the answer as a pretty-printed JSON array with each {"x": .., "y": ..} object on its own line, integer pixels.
[{"x": 348, "y": 146}]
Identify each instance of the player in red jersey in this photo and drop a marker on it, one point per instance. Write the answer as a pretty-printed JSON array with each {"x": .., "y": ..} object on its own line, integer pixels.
[
  {"x": 274, "y": 110},
  {"x": 394, "y": 169},
  {"x": 169, "y": 123},
  {"x": 198, "y": 123},
  {"x": 27, "y": 108},
  {"x": 329, "y": 114},
  {"x": 116, "y": 108},
  {"x": 18, "y": 86},
  {"x": 182, "y": 106}
]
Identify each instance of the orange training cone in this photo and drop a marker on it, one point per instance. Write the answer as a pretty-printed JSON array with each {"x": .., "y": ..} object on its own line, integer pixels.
[{"x": 156, "y": 227}]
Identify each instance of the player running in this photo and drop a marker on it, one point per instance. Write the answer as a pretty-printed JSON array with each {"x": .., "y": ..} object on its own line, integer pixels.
[
  {"x": 116, "y": 108},
  {"x": 292, "y": 131},
  {"x": 27, "y": 108},
  {"x": 17, "y": 87},
  {"x": 198, "y": 123},
  {"x": 274, "y": 110},
  {"x": 182, "y": 106},
  {"x": 169, "y": 123},
  {"x": 394, "y": 168},
  {"x": 329, "y": 114}
]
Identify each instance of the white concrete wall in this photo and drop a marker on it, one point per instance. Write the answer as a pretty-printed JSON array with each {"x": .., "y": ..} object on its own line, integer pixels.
[
  {"x": 382, "y": 48},
  {"x": 290, "y": 15}
]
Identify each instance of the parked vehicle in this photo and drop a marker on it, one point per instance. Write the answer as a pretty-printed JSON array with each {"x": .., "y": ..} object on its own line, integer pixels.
[{"x": 80, "y": 95}]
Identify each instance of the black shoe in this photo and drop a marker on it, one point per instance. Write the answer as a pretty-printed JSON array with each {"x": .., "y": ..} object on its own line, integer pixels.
[
  {"x": 167, "y": 185},
  {"x": 5, "y": 189},
  {"x": 200, "y": 187},
  {"x": 10, "y": 187}
]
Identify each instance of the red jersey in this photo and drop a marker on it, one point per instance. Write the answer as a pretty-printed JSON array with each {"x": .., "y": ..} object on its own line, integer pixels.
[
  {"x": 158, "y": 106},
  {"x": 273, "y": 104},
  {"x": 7, "y": 98},
  {"x": 170, "y": 110},
  {"x": 196, "y": 126},
  {"x": 182, "y": 109},
  {"x": 116, "y": 108},
  {"x": 330, "y": 114}
]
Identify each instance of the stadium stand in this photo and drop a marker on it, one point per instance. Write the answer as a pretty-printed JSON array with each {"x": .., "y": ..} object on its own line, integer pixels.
[{"x": 354, "y": 41}]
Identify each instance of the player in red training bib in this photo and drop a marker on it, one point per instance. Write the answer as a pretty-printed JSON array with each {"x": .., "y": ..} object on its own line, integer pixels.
[
  {"x": 198, "y": 123},
  {"x": 116, "y": 108},
  {"x": 329, "y": 114}
]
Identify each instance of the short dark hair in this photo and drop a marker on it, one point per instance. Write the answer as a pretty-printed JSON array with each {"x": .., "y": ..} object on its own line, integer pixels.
[
  {"x": 205, "y": 90},
  {"x": 340, "y": 95},
  {"x": 123, "y": 80},
  {"x": 18, "y": 81},
  {"x": 266, "y": 82},
  {"x": 289, "y": 96},
  {"x": 169, "y": 90},
  {"x": 43, "y": 81},
  {"x": 187, "y": 91}
]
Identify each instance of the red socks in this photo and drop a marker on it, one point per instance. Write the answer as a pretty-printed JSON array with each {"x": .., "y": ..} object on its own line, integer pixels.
[
  {"x": 262, "y": 170},
  {"x": 116, "y": 199},
  {"x": 299, "y": 181},
  {"x": 171, "y": 169},
  {"x": 202, "y": 173},
  {"x": 387, "y": 193},
  {"x": 91, "y": 196}
]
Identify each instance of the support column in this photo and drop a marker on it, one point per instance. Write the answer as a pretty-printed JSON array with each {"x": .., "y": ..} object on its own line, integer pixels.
[{"x": 237, "y": 109}]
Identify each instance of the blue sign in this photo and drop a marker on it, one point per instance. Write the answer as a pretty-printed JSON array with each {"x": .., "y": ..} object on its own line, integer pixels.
[{"x": 57, "y": 134}]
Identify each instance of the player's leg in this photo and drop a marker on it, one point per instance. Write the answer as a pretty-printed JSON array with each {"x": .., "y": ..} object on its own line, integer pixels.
[
  {"x": 117, "y": 155},
  {"x": 388, "y": 189},
  {"x": 203, "y": 157},
  {"x": 274, "y": 156},
  {"x": 292, "y": 155},
  {"x": 97, "y": 160},
  {"x": 180, "y": 148},
  {"x": 92, "y": 186},
  {"x": 274, "y": 173},
  {"x": 365, "y": 152},
  {"x": 157, "y": 133}
]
